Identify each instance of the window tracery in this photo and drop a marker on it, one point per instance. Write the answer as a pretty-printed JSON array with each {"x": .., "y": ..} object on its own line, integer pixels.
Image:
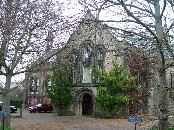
[{"x": 87, "y": 52}]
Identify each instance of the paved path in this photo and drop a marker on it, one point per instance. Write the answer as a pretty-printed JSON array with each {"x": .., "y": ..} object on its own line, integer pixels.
[{"x": 51, "y": 121}]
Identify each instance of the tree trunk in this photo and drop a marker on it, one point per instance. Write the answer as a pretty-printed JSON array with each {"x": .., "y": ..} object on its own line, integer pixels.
[
  {"x": 6, "y": 101},
  {"x": 163, "y": 106},
  {"x": 21, "y": 111}
]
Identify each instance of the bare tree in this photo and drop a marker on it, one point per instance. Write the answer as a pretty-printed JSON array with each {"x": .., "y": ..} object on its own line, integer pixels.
[
  {"x": 147, "y": 24},
  {"x": 24, "y": 25}
]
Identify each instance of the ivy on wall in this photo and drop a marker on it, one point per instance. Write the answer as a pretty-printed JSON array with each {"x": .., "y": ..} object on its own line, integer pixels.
[{"x": 114, "y": 90}]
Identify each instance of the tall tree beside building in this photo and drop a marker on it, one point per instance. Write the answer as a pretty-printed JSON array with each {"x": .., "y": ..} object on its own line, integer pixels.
[
  {"x": 149, "y": 25},
  {"x": 23, "y": 28},
  {"x": 62, "y": 87}
]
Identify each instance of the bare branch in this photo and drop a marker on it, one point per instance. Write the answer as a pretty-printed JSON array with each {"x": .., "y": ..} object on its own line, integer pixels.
[
  {"x": 40, "y": 61},
  {"x": 142, "y": 9},
  {"x": 134, "y": 6},
  {"x": 122, "y": 21},
  {"x": 171, "y": 2},
  {"x": 138, "y": 20},
  {"x": 169, "y": 63},
  {"x": 129, "y": 32},
  {"x": 170, "y": 27},
  {"x": 164, "y": 7},
  {"x": 150, "y": 1}
]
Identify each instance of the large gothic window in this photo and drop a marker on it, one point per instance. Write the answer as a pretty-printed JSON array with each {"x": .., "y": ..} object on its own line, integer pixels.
[
  {"x": 87, "y": 62},
  {"x": 87, "y": 53}
]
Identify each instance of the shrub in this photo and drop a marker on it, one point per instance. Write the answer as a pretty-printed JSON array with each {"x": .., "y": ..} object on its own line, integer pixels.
[
  {"x": 156, "y": 128},
  {"x": 17, "y": 103},
  {"x": 1, "y": 128}
]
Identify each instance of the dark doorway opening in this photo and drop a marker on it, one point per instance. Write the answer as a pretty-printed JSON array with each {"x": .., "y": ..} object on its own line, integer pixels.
[{"x": 87, "y": 106}]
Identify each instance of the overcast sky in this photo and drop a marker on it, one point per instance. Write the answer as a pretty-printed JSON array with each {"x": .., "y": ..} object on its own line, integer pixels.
[{"x": 71, "y": 8}]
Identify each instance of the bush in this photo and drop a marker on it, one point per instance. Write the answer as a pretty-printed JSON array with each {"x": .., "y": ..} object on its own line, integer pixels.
[
  {"x": 156, "y": 128},
  {"x": 17, "y": 103},
  {"x": 171, "y": 129},
  {"x": 6, "y": 128}
]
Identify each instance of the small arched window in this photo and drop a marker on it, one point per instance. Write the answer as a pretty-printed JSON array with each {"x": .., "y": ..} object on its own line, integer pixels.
[
  {"x": 48, "y": 84},
  {"x": 74, "y": 58},
  {"x": 32, "y": 88},
  {"x": 99, "y": 55},
  {"x": 37, "y": 85}
]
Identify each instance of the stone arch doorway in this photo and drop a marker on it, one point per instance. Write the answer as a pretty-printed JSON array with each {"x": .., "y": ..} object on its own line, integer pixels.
[
  {"x": 84, "y": 102},
  {"x": 87, "y": 105}
]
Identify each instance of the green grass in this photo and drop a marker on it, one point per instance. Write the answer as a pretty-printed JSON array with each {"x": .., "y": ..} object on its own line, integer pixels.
[
  {"x": 6, "y": 128},
  {"x": 156, "y": 128},
  {"x": 171, "y": 129}
]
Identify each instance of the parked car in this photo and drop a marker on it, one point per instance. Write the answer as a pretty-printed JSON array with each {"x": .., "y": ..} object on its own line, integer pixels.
[
  {"x": 45, "y": 108},
  {"x": 12, "y": 108},
  {"x": 34, "y": 108},
  {"x": 41, "y": 108}
]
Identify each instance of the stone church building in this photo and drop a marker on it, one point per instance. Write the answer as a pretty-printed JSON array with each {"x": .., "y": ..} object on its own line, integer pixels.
[{"x": 91, "y": 45}]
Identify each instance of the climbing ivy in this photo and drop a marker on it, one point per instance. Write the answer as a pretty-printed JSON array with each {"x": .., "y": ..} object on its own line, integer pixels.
[
  {"x": 114, "y": 89},
  {"x": 61, "y": 86}
]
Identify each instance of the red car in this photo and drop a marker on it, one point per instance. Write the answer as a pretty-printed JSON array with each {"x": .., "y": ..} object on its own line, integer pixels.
[
  {"x": 41, "y": 108},
  {"x": 45, "y": 108},
  {"x": 34, "y": 108}
]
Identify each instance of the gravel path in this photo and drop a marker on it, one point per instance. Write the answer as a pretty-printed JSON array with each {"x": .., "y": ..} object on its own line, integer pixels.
[{"x": 50, "y": 121}]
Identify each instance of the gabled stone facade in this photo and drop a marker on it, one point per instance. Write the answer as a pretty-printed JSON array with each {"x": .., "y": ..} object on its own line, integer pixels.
[{"x": 90, "y": 46}]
